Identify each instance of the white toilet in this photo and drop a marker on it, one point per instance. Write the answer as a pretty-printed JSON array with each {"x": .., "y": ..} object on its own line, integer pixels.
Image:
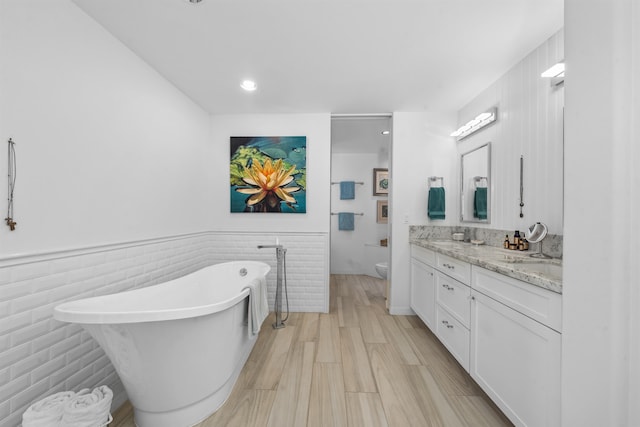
[{"x": 381, "y": 269}]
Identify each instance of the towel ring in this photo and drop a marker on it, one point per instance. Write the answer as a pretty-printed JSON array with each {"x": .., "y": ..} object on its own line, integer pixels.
[
  {"x": 477, "y": 181},
  {"x": 434, "y": 179}
]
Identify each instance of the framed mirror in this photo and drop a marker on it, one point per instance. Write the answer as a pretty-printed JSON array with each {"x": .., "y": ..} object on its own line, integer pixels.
[{"x": 475, "y": 185}]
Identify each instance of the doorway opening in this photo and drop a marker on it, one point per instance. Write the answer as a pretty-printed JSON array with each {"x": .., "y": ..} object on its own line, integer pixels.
[{"x": 360, "y": 154}]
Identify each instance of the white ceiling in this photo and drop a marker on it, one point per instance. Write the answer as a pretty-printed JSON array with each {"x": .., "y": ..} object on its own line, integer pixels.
[{"x": 338, "y": 56}]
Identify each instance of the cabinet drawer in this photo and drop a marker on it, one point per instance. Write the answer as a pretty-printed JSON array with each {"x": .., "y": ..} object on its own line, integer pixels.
[
  {"x": 454, "y": 296},
  {"x": 537, "y": 303},
  {"x": 423, "y": 255},
  {"x": 459, "y": 270},
  {"x": 454, "y": 336}
]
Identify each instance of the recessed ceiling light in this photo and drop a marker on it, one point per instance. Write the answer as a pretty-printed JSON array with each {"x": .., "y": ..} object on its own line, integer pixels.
[{"x": 249, "y": 85}]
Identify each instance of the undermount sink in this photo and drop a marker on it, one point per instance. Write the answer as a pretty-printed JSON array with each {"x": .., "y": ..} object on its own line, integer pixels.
[
  {"x": 545, "y": 268},
  {"x": 445, "y": 243},
  {"x": 525, "y": 258}
]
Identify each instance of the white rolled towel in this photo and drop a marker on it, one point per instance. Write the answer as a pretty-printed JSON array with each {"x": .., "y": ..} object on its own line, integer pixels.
[
  {"x": 47, "y": 412},
  {"x": 88, "y": 409}
]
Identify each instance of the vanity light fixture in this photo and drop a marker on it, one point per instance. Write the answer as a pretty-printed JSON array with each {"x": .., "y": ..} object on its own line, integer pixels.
[
  {"x": 481, "y": 120},
  {"x": 555, "y": 73},
  {"x": 249, "y": 85}
]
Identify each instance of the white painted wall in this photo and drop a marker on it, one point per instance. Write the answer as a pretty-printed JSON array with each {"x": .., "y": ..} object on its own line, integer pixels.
[
  {"x": 349, "y": 255},
  {"x": 530, "y": 124},
  {"x": 634, "y": 250},
  {"x": 601, "y": 301},
  {"x": 103, "y": 142},
  {"x": 421, "y": 148},
  {"x": 317, "y": 129}
]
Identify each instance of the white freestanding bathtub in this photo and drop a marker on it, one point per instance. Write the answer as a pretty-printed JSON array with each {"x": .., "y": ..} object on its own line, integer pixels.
[{"x": 179, "y": 346}]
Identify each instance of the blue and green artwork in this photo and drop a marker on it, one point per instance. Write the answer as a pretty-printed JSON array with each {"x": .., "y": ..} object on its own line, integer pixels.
[{"x": 268, "y": 174}]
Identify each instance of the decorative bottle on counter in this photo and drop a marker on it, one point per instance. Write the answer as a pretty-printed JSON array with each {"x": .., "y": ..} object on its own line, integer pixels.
[
  {"x": 506, "y": 242},
  {"x": 516, "y": 238}
]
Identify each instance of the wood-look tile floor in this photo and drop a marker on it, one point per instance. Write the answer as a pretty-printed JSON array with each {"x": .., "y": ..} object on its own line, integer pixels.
[{"x": 355, "y": 366}]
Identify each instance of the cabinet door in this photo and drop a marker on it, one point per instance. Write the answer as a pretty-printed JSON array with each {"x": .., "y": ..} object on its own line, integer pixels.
[
  {"x": 423, "y": 292},
  {"x": 516, "y": 361}
]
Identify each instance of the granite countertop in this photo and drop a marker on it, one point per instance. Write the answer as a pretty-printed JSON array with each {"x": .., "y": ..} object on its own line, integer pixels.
[{"x": 544, "y": 273}]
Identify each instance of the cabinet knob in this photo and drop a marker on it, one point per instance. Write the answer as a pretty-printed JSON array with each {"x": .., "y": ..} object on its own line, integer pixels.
[
  {"x": 444, "y": 322},
  {"x": 449, "y": 326}
]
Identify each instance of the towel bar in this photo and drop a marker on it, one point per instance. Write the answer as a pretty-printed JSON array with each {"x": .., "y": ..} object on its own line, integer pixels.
[
  {"x": 336, "y": 213},
  {"x": 356, "y": 182}
]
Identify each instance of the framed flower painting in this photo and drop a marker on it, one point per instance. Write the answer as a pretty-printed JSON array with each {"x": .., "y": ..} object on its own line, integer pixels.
[{"x": 268, "y": 174}]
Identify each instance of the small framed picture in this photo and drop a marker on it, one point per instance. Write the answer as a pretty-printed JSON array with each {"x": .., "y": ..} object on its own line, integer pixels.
[
  {"x": 382, "y": 215},
  {"x": 380, "y": 182}
]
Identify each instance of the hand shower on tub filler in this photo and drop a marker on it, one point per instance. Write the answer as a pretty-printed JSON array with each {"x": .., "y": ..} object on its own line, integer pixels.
[{"x": 281, "y": 276}]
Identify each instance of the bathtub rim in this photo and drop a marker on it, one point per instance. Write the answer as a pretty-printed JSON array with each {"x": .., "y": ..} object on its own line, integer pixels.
[{"x": 76, "y": 312}]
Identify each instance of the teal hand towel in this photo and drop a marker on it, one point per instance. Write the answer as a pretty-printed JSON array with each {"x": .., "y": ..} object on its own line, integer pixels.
[
  {"x": 435, "y": 205},
  {"x": 480, "y": 203},
  {"x": 345, "y": 221},
  {"x": 347, "y": 190}
]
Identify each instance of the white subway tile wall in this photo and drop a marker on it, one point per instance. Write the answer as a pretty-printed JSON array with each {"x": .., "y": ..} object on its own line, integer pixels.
[{"x": 40, "y": 356}]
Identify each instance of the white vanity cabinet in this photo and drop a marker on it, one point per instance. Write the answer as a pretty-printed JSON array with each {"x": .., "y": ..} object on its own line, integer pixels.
[
  {"x": 453, "y": 309},
  {"x": 423, "y": 285},
  {"x": 516, "y": 347},
  {"x": 505, "y": 332}
]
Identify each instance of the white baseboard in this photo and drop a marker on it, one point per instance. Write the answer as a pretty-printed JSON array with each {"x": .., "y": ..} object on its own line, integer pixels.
[{"x": 401, "y": 311}]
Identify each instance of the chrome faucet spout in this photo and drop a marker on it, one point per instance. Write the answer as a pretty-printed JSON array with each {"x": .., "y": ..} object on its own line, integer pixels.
[{"x": 269, "y": 246}]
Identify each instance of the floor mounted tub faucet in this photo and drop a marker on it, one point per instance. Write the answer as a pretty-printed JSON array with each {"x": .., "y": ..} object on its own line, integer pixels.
[{"x": 280, "y": 274}]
